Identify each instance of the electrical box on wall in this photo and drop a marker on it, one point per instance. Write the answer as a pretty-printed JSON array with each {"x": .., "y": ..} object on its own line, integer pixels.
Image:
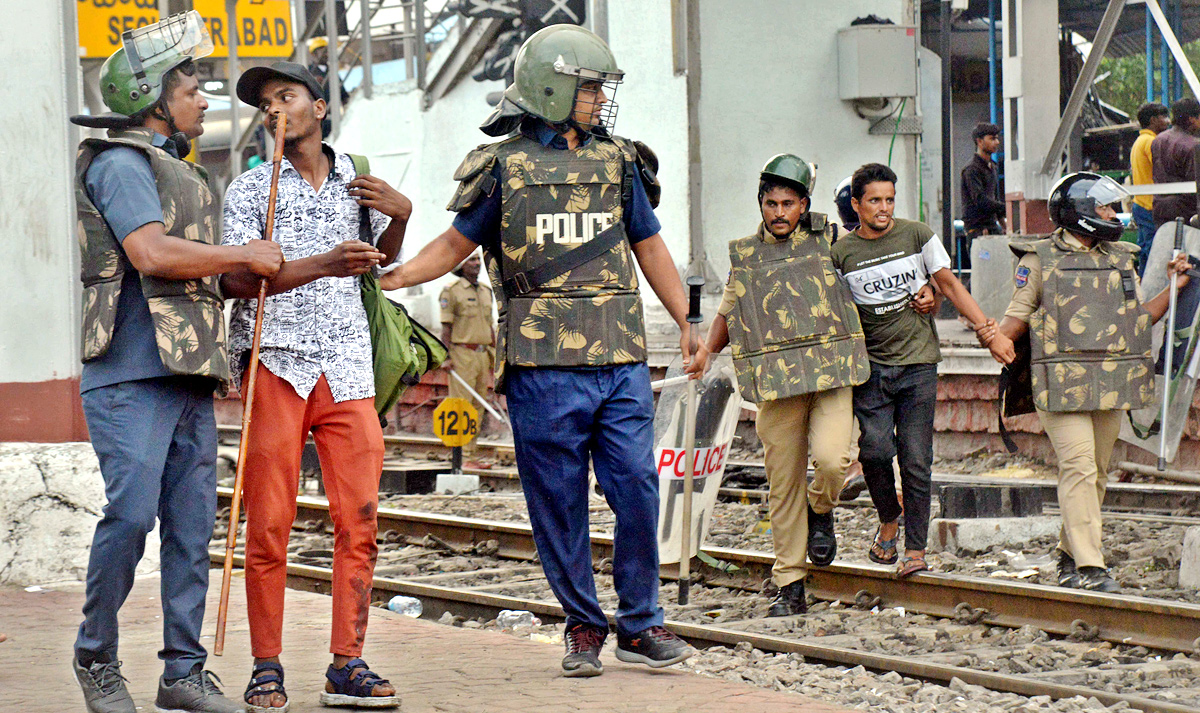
[{"x": 877, "y": 61}]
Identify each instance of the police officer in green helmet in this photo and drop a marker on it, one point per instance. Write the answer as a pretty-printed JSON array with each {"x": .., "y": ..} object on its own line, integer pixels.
[
  {"x": 153, "y": 352},
  {"x": 562, "y": 209},
  {"x": 798, "y": 351},
  {"x": 1085, "y": 378}
]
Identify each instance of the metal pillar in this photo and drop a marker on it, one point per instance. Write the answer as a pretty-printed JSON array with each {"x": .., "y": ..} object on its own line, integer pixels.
[
  {"x": 993, "y": 100},
  {"x": 235, "y": 123},
  {"x": 368, "y": 59},
  {"x": 1172, "y": 42},
  {"x": 947, "y": 150},
  {"x": 333, "y": 80},
  {"x": 1104, "y": 33},
  {"x": 696, "y": 254},
  {"x": 600, "y": 18},
  {"x": 1149, "y": 56},
  {"x": 419, "y": 28}
]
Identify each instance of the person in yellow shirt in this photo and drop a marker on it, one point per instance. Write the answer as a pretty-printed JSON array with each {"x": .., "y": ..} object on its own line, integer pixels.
[
  {"x": 468, "y": 330},
  {"x": 1154, "y": 119}
]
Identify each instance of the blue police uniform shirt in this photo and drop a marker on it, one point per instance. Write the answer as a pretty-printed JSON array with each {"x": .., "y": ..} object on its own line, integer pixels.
[
  {"x": 121, "y": 185},
  {"x": 481, "y": 222}
]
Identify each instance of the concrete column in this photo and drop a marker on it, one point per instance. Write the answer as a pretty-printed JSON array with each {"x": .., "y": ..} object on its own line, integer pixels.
[
  {"x": 39, "y": 262},
  {"x": 1031, "y": 103}
]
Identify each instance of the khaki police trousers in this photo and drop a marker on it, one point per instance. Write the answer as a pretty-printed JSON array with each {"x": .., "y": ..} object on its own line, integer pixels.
[
  {"x": 792, "y": 430},
  {"x": 475, "y": 367},
  {"x": 1083, "y": 441}
]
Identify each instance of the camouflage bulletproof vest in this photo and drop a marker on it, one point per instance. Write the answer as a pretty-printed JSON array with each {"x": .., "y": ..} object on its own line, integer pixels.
[
  {"x": 793, "y": 329},
  {"x": 1090, "y": 337},
  {"x": 554, "y": 200},
  {"x": 189, "y": 323}
]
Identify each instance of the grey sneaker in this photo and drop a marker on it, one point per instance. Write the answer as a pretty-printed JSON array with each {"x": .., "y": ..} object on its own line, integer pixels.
[
  {"x": 198, "y": 693},
  {"x": 103, "y": 687}
]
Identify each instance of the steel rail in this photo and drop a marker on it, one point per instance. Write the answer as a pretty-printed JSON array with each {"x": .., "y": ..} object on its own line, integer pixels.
[
  {"x": 1160, "y": 498},
  {"x": 1132, "y": 620},
  {"x": 437, "y": 600}
]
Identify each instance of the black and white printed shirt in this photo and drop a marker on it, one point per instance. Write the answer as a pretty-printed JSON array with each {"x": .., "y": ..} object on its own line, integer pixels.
[{"x": 314, "y": 329}]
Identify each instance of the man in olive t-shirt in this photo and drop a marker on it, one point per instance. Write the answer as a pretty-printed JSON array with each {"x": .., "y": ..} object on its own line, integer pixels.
[{"x": 886, "y": 261}]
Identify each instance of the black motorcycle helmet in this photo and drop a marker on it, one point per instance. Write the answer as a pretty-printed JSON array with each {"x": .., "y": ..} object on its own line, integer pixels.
[
  {"x": 841, "y": 196},
  {"x": 1073, "y": 202}
]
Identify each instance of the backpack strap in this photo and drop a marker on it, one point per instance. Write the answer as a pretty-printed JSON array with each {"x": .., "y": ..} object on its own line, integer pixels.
[{"x": 362, "y": 167}]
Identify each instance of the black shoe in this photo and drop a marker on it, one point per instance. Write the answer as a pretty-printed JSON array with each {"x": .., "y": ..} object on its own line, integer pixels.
[
  {"x": 789, "y": 601},
  {"x": 1097, "y": 579},
  {"x": 656, "y": 647},
  {"x": 583, "y": 651},
  {"x": 822, "y": 544},
  {"x": 1068, "y": 576},
  {"x": 853, "y": 488},
  {"x": 103, "y": 687}
]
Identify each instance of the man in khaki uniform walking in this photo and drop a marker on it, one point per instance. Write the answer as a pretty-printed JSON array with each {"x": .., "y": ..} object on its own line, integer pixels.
[
  {"x": 1086, "y": 377},
  {"x": 798, "y": 350},
  {"x": 468, "y": 330}
]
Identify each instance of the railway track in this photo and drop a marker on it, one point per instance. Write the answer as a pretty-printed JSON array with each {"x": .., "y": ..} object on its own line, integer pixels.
[
  {"x": 1127, "y": 620},
  {"x": 432, "y": 455},
  {"x": 440, "y": 595}
]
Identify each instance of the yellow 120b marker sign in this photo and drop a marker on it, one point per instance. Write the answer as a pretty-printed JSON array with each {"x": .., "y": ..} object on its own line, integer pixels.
[{"x": 455, "y": 421}]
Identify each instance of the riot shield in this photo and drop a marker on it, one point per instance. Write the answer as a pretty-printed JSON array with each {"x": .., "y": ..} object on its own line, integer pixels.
[
  {"x": 1143, "y": 426},
  {"x": 718, "y": 407}
]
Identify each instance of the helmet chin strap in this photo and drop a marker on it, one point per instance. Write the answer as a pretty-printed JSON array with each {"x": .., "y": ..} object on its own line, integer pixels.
[{"x": 179, "y": 140}]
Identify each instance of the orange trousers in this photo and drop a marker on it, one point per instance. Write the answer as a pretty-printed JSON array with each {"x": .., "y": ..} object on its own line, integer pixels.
[{"x": 350, "y": 446}]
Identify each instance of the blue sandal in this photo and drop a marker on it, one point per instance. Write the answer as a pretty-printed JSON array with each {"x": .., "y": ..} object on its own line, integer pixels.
[
  {"x": 883, "y": 551},
  {"x": 353, "y": 684},
  {"x": 266, "y": 679}
]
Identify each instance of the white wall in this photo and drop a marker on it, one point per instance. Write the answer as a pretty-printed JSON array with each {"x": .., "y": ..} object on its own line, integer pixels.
[
  {"x": 38, "y": 258},
  {"x": 770, "y": 85}
]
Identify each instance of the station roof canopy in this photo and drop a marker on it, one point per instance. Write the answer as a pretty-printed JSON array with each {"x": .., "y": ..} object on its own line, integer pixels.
[{"x": 1083, "y": 16}]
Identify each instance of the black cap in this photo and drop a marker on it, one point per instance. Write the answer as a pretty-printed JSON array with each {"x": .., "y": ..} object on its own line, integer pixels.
[{"x": 250, "y": 84}]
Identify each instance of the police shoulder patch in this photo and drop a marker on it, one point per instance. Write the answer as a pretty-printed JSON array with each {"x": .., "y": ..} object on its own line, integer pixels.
[{"x": 1022, "y": 276}]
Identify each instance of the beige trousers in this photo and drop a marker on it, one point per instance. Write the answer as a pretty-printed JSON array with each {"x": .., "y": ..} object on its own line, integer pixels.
[
  {"x": 1083, "y": 441},
  {"x": 475, "y": 367},
  {"x": 792, "y": 430}
]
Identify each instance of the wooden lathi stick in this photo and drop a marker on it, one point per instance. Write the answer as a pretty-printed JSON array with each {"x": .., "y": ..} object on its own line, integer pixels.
[{"x": 248, "y": 405}]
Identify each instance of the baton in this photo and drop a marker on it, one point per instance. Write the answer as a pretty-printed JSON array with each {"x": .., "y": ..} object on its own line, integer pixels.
[
  {"x": 1169, "y": 346},
  {"x": 251, "y": 377},
  {"x": 695, "y": 282},
  {"x": 479, "y": 398}
]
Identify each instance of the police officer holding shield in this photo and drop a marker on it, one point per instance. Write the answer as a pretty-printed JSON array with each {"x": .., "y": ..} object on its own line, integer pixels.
[
  {"x": 1077, "y": 297},
  {"x": 798, "y": 349},
  {"x": 562, "y": 210}
]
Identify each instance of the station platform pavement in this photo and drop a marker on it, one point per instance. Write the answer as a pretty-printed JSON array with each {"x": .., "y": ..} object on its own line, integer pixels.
[{"x": 434, "y": 667}]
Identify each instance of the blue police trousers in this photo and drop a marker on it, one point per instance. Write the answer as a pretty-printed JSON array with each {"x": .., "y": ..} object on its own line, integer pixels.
[
  {"x": 561, "y": 418},
  {"x": 157, "y": 444}
]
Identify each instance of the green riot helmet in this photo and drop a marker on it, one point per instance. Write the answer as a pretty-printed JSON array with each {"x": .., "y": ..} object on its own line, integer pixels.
[
  {"x": 790, "y": 170},
  {"x": 551, "y": 68},
  {"x": 132, "y": 77}
]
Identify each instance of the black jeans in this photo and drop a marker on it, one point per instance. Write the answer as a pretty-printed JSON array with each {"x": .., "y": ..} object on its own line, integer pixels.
[{"x": 895, "y": 409}]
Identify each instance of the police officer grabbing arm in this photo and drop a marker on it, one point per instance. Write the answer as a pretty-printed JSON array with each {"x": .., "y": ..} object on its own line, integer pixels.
[
  {"x": 1087, "y": 376},
  {"x": 562, "y": 208}
]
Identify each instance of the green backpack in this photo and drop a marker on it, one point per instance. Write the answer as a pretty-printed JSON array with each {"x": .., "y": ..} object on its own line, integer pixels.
[{"x": 401, "y": 348}]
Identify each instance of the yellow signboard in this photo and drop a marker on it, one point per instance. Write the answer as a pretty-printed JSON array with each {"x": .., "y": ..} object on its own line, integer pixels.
[
  {"x": 455, "y": 421},
  {"x": 264, "y": 27},
  {"x": 101, "y": 23}
]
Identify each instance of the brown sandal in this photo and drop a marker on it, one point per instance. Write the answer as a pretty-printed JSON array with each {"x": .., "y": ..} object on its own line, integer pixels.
[{"x": 910, "y": 566}]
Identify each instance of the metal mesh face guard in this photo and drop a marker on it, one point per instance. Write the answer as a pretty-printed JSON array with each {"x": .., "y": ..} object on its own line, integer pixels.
[
  {"x": 169, "y": 42},
  {"x": 603, "y": 115}
]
